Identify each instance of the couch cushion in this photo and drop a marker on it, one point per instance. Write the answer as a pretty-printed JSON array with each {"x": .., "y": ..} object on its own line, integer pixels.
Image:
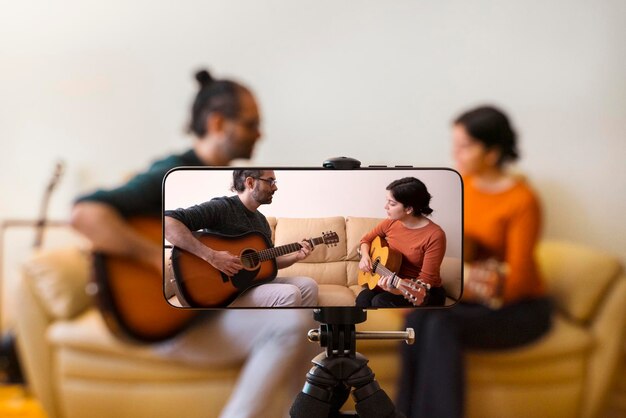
[
  {"x": 290, "y": 230},
  {"x": 355, "y": 229},
  {"x": 323, "y": 273},
  {"x": 560, "y": 356},
  {"x": 352, "y": 270},
  {"x": 335, "y": 295},
  {"x": 87, "y": 349},
  {"x": 451, "y": 277},
  {"x": 57, "y": 278},
  {"x": 576, "y": 276}
]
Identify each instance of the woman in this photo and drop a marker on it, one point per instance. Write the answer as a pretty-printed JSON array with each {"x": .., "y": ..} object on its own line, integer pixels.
[
  {"x": 420, "y": 241},
  {"x": 504, "y": 303}
]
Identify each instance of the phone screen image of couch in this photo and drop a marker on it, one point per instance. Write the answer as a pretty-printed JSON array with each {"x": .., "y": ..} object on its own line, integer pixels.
[{"x": 264, "y": 222}]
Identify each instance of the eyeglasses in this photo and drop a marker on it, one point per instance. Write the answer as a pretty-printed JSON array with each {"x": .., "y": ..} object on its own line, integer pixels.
[
  {"x": 249, "y": 124},
  {"x": 271, "y": 182}
]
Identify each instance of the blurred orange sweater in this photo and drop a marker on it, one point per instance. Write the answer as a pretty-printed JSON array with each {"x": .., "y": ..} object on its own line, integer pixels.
[{"x": 506, "y": 226}]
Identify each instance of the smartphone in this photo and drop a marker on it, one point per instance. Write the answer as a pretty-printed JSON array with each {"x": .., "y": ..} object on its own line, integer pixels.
[{"x": 284, "y": 237}]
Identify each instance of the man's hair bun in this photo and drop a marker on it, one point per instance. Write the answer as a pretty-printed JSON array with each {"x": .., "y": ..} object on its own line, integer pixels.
[{"x": 204, "y": 78}]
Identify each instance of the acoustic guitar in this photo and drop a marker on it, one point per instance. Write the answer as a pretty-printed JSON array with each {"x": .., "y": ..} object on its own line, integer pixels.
[
  {"x": 200, "y": 285},
  {"x": 486, "y": 274},
  {"x": 130, "y": 294},
  {"x": 385, "y": 262}
]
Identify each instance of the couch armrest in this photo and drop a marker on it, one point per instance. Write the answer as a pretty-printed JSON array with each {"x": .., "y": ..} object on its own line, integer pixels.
[
  {"x": 608, "y": 329},
  {"x": 52, "y": 287},
  {"x": 57, "y": 278},
  {"x": 35, "y": 352},
  {"x": 577, "y": 277}
]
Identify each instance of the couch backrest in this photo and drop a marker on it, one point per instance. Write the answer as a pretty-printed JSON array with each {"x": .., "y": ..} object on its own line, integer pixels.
[{"x": 326, "y": 264}]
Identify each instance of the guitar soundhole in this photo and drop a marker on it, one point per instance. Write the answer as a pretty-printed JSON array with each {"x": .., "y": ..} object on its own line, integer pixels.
[
  {"x": 375, "y": 265},
  {"x": 250, "y": 259}
]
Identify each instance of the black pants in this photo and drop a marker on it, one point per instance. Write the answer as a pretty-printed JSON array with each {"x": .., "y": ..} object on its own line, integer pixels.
[
  {"x": 381, "y": 299},
  {"x": 432, "y": 379}
]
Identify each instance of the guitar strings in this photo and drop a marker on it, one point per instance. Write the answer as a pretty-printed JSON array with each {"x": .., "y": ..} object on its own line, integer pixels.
[{"x": 269, "y": 253}]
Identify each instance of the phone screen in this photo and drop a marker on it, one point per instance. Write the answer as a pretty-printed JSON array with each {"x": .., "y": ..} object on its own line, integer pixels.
[{"x": 277, "y": 237}]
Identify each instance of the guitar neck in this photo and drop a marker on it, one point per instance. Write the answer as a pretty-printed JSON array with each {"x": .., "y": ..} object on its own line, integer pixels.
[
  {"x": 396, "y": 281},
  {"x": 384, "y": 271},
  {"x": 270, "y": 253},
  {"x": 380, "y": 268}
]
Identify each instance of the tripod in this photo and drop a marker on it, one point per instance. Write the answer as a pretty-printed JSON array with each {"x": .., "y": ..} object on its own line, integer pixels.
[{"x": 340, "y": 369}]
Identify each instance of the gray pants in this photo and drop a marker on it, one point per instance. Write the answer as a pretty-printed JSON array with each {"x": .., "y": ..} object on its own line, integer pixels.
[
  {"x": 280, "y": 292},
  {"x": 272, "y": 343}
]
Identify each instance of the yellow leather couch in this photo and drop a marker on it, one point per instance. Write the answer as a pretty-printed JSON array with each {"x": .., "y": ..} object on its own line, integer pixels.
[{"x": 76, "y": 368}]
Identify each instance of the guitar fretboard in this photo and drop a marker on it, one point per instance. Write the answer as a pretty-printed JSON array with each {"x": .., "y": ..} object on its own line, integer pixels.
[
  {"x": 384, "y": 271},
  {"x": 270, "y": 253},
  {"x": 395, "y": 280}
]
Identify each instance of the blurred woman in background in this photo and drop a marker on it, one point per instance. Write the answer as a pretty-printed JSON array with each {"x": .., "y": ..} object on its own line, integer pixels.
[{"x": 504, "y": 303}]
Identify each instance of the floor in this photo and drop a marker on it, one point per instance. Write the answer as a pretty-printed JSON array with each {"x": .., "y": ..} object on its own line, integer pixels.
[{"x": 15, "y": 402}]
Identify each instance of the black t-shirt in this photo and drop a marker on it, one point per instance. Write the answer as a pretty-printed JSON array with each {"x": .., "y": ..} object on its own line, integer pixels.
[
  {"x": 223, "y": 215},
  {"x": 141, "y": 195}
]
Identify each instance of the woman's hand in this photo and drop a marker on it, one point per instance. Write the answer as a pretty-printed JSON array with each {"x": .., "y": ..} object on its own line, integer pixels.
[
  {"x": 483, "y": 282},
  {"x": 365, "y": 264},
  {"x": 385, "y": 283}
]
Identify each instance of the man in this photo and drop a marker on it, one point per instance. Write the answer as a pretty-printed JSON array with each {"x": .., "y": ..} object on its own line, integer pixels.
[
  {"x": 234, "y": 216},
  {"x": 225, "y": 122}
]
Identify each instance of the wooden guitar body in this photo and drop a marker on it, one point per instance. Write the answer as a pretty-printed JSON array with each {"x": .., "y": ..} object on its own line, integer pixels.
[
  {"x": 202, "y": 285},
  {"x": 130, "y": 294},
  {"x": 386, "y": 261},
  {"x": 380, "y": 254}
]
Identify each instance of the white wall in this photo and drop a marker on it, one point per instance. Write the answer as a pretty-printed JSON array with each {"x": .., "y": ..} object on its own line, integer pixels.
[{"x": 105, "y": 86}]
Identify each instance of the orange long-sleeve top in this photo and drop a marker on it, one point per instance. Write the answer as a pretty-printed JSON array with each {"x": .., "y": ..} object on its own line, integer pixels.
[
  {"x": 506, "y": 226},
  {"x": 422, "y": 248}
]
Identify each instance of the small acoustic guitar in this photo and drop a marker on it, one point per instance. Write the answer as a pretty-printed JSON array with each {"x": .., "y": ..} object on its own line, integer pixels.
[
  {"x": 130, "y": 294},
  {"x": 487, "y": 274},
  {"x": 385, "y": 262},
  {"x": 200, "y": 285}
]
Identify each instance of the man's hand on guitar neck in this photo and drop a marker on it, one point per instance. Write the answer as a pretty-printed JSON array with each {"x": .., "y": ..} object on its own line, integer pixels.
[{"x": 289, "y": 259}]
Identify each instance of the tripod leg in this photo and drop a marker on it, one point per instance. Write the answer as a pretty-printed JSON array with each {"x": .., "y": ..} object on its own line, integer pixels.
[
  {"x": 377, "y": 405},
  {"x": 306, "y": 406},
  {"x": 370, "y": 400},
  {"x": 323, "y": 394}
]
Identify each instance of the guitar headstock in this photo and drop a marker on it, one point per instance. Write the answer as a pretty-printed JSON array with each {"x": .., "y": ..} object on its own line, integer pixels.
[
  {"x": 59, "y": 168},
  {"x": 330, "y": 238},
  {"x": 415, "y": 291}
]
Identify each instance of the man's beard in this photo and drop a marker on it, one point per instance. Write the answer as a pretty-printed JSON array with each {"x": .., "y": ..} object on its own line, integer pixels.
[
  {"x": 261, "y": 197},
  {"x": 238, "y": 149}
]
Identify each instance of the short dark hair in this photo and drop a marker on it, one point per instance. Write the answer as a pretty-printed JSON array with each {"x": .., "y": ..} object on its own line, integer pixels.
[
  {"x": 240, "y": 176},
  {"x": 214, "y": 96},
  {"x": 491, "y": 126},
  {"x": 411, "y": 192}
]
